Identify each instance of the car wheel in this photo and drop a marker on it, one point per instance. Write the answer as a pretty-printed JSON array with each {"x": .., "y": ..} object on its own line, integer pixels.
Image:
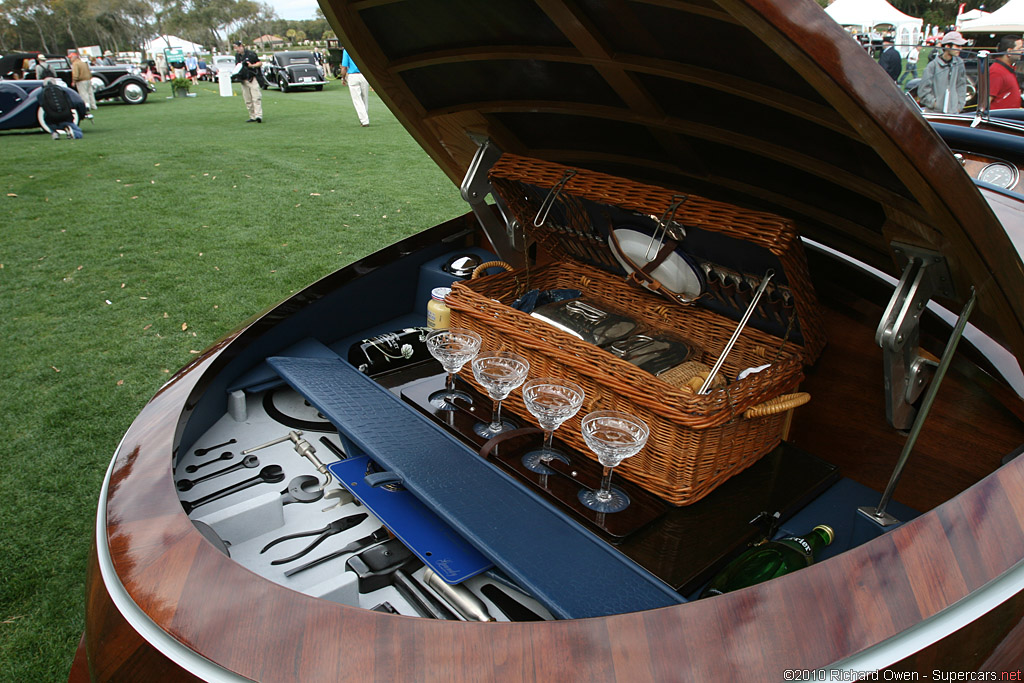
[
  {"x": 41, "y": 117},
  {"x": 133, "y": 93},
  {"x": 283, "y": 84},
  {"x": 318, "y": 88}
]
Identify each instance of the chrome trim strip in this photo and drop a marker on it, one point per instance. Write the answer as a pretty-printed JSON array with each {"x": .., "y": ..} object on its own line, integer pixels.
[{"x": 187, "y": 659}]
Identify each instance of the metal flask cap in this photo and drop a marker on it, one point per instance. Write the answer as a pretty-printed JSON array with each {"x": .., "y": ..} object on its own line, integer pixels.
[{"x": 462, "y": 265}]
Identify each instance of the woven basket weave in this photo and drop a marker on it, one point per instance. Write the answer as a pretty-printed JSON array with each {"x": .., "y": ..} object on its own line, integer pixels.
[
  {"x": 570, "y": 233},
  {"x": 696, "y": 441}
]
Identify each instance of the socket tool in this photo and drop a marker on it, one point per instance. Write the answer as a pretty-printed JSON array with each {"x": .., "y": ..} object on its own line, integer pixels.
[
  {"x": 271, "y": 474},
  {"x": 303, "y": 448},
  {"x": 335, "y": 527},
  {"x": 355, "y": 546}
]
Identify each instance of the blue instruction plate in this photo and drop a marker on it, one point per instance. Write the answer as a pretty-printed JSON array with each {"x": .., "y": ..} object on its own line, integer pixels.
[{"x": 429, "y": 538}]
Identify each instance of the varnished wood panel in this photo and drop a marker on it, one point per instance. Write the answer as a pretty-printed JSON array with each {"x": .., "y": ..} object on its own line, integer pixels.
[{"x": 263, "y": 631}]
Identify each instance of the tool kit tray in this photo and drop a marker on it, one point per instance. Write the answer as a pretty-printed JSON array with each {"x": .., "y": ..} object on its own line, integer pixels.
[{"x": 697, "y": 441}]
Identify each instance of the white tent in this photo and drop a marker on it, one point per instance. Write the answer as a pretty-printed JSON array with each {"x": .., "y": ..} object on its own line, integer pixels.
[
  {"x": 158, "y": 44},
  {"x": 865, "y": 15},
  {"x": 966, "y": 18},
  {"x": 1007, "y": 19}
]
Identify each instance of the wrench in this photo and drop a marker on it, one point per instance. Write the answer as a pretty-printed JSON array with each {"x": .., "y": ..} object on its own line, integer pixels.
[
  {"x": 204, "y": 451},
  {"x": 299, "y": 490},
  {"x": 271, "y": 474},
  {"x": 248, "y": 462},
  {"x": 226, "y": 455}
]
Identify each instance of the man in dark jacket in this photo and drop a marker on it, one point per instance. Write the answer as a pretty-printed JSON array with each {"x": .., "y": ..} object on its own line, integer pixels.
[
  {"x": 251, "y": 93},
  {"x": 58, "y": 111},
  {"x": 890, "y": 60}
]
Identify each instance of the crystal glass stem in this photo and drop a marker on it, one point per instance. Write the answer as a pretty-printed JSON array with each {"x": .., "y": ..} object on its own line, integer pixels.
[
  {"x": 604, "y": 494},
  {"x": 496, "y": 425},
  {"x": 449, "y": 384},
  {"x": 549, "y": 435}
]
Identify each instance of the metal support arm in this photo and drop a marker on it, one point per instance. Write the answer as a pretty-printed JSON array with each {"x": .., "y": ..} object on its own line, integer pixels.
[
  {"x": 907, "y": 372},
  {"x": 878, "y": 514}
]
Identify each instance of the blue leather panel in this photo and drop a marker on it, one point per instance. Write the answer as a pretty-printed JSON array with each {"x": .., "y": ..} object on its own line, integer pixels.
[{"x": 569, "y": 570}]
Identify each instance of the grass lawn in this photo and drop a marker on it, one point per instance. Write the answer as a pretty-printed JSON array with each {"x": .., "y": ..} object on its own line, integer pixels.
[{"x": 126, "y": 253}]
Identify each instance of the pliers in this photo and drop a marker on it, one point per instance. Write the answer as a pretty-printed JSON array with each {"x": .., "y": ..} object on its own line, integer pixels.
[{"x": 335, "y": 527}]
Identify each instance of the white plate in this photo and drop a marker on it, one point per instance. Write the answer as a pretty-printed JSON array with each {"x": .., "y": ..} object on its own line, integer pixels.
[{"x": 675, "y": 273}]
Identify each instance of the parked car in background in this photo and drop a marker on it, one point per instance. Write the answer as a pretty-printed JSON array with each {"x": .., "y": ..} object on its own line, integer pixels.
[
  {"x": 295, "y": 69},
  {"x": 20, "y": 108},
  {"x": 121, "y": 81}
]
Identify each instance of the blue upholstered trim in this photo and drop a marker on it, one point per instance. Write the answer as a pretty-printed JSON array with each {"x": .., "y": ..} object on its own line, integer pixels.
[{"x": 569, "y": 570}]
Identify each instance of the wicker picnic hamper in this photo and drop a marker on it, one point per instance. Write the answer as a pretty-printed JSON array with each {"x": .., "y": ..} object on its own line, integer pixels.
[{"x": 696, "y": 441}]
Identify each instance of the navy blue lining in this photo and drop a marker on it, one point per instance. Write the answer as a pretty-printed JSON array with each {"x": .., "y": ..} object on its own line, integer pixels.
[{"x": 566, "y": 568}]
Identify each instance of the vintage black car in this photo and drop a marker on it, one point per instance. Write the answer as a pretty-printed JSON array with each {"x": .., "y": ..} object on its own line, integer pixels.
[
  {"x": 295, "y": 69},
  {"x": 121, "y": 81}
]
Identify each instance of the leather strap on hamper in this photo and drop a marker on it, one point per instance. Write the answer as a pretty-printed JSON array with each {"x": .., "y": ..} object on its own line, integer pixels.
[
  {"x": 641, "y": 275},
  {"x": 569, "y": 570}
]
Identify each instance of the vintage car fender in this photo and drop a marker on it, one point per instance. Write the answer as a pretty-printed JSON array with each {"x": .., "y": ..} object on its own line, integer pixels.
[{"x": 114, "y": 89}]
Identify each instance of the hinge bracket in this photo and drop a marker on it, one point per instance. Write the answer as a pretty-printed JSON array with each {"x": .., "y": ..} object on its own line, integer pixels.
[
  {"x": 506, "y": 238},
  {"x": 907, "y": 372}
]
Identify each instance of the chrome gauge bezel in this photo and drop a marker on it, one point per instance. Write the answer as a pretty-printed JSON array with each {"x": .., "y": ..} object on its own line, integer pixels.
[{"x": 1014, "y": 174}]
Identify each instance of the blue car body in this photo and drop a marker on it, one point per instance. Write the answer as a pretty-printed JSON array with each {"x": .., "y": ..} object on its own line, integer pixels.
[{"x": 19, "y": 105}]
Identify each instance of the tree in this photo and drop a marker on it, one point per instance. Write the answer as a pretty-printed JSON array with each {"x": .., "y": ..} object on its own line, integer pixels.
[{"x": 55, "y": 25}]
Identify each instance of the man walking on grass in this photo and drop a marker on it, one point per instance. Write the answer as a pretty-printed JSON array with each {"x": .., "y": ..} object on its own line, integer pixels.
[
  {"x": 251, "y": 92},
  {"x": 81, "y": 79},
  {"x": 358, "y": 88}
]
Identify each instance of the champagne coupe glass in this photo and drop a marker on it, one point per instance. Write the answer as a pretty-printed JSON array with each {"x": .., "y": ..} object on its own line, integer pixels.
[
  {"x": 552, "y": 402},
  {"x": 453, "y": 348},
  {"x": 500, "y": 372},
  {"x": 613, "y": 436}
]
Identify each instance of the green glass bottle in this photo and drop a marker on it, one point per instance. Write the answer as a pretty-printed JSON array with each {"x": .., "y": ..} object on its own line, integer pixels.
[{"x": 771, "y": 559}]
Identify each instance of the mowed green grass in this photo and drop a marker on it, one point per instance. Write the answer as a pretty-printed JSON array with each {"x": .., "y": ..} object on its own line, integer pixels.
[{"x": 126, "y": 253}]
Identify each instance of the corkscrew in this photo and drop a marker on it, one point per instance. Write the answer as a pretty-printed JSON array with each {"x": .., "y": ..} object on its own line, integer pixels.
[{"x": 303, "y": 448}]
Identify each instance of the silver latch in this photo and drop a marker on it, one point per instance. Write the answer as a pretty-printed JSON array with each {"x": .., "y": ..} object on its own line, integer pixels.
[{"x": 907, "y": 372}]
